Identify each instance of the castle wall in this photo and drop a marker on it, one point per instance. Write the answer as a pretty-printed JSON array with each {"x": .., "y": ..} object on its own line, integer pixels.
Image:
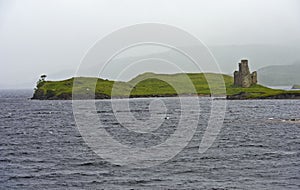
[
  {"x": 254, "y": 77},
  {"x": 243, "y": 77}
]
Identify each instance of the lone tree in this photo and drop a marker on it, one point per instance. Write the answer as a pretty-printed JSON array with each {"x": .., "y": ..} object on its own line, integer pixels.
[
  {"x": 43, "y": 77},
  {"x": 39, "y": 92},
  {"x": 41, "y": 80}
]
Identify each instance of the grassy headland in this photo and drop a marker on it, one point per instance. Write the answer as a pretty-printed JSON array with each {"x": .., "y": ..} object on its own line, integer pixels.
[{"x": 153, "y": 85}]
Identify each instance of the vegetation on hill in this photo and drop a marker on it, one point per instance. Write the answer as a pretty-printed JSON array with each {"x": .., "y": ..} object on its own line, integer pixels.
[{"x": 151, "y": 85}]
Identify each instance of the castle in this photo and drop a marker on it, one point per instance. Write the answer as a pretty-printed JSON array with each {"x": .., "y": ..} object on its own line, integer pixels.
[{"x": 243, "y": 77}]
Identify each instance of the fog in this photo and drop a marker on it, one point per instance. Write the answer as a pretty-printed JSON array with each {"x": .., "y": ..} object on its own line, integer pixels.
[{"x": 52, "y": 37}]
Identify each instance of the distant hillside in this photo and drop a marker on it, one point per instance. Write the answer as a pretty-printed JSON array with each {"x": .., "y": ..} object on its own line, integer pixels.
[
  {"x": 258, "y": 55},
  {"x": 227, "y": 58},
  {"x": 279, "y": 75}
]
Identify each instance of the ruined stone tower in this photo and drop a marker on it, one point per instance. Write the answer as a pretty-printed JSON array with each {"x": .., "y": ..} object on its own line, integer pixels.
[{"x": 243, "y": 77}]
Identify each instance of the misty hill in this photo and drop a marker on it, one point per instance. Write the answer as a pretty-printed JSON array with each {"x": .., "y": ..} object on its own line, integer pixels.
[
  {"x": 258, "y": 55},
  {"x": 227, "y": 58},
  {"x": 279, "y": 75}
]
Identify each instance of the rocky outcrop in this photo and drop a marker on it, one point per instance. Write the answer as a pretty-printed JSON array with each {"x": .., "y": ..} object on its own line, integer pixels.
[
  {"x": 239, "y": 96},
  {"x": 246, "y": 95},
  {"x": 243, "y": 77},
  {"x": 51, "y": 95},
  {"x": 296, "y": 86}
]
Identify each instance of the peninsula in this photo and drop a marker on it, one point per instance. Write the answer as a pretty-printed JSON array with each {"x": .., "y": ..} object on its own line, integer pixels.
[{"x": 150, "y": 86}]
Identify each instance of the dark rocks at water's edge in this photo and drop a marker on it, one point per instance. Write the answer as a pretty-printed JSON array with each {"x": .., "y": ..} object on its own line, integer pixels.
[
  {"x": 239, "y": 96},
  {"x": 67, "y": 96},
  {"x": 245, "y": 95}
]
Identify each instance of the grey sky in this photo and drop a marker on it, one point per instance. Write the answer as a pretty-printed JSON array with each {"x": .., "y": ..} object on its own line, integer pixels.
[{"x": 51, "y": 36}]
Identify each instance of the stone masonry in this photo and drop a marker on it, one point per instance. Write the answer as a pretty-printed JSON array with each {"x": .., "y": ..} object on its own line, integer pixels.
[{"x": 243, "y": 77}]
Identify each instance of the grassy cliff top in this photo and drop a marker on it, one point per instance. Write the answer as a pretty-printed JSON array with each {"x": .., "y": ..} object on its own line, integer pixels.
[{"x": 151, "y": 85}]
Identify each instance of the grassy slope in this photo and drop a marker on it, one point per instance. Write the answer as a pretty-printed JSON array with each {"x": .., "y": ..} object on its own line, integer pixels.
[{"x": 150, "y": 85}]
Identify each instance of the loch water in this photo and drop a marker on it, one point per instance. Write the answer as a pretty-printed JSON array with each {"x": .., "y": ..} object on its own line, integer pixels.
[{"x": 41, "y": 147}]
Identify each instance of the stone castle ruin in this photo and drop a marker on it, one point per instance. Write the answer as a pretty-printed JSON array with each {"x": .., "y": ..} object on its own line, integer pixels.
[{"x": 243, "y": 77}]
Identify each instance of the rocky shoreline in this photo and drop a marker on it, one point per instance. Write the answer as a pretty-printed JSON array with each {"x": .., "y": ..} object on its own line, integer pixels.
[
  {"x": 240, "y": 96},
  {"x": 246, "y": 96}
]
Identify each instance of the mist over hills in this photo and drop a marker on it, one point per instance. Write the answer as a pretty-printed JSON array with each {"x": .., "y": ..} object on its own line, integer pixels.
[
  {"x": 227, "y": 57},
  {"x": 280, "y": 75},
  {"x": 258, "y": 55}
]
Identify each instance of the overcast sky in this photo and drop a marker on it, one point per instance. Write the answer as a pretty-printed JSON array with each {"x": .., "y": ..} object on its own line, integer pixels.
[{"x": 51, "y": 36}]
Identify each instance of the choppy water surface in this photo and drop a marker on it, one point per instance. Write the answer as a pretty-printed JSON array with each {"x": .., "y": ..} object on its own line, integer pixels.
[{"x": 41, "y": 148}]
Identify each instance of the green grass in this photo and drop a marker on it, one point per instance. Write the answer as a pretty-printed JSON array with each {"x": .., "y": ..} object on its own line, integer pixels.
[{"x": 150, "y": 84}]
